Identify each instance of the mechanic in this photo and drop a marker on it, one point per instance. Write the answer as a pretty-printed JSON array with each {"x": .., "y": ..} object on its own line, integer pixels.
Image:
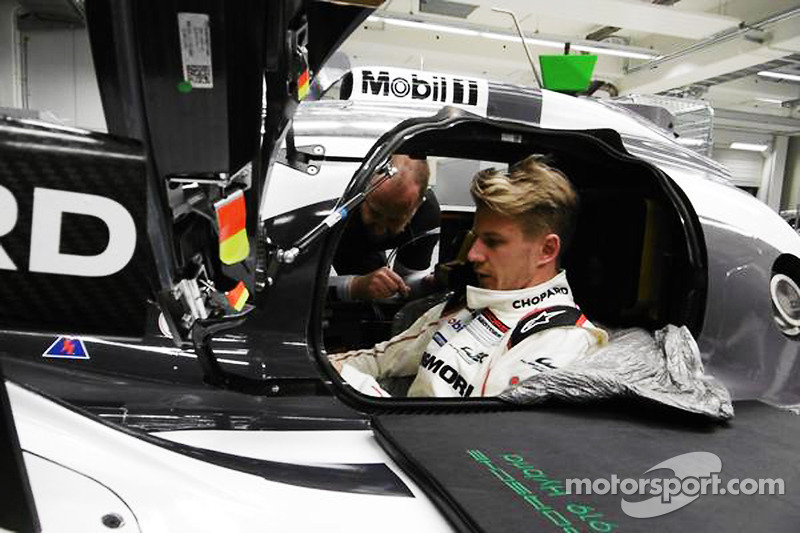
[
  {"x": 520, "y": 321},
  {"x": 402, "y": 214}
]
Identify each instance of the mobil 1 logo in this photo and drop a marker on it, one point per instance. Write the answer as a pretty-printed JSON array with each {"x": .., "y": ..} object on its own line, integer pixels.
[{"x": 389, "y": 84}]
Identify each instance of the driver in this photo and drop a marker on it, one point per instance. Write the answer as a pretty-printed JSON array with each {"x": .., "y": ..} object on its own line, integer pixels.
[
  {"x": 400, "y": 214},
  {"x": 519, "y": 321}
]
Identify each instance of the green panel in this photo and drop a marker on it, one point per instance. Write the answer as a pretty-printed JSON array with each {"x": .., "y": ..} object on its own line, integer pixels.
[{"x": 567, "y": 73}]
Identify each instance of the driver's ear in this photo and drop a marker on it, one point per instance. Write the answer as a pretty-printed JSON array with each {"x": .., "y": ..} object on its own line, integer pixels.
[{"x": 550, "y": 248}]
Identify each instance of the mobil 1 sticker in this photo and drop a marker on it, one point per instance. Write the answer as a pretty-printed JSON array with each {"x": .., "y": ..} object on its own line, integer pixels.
[
  {"x": 194, "y": 30},
  {"x": 411, "y": 86}
]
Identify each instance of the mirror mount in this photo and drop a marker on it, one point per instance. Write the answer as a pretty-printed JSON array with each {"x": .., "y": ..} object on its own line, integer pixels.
[
  {"x": 307, "y": 158},
  {"x": 202, "y": 333}
]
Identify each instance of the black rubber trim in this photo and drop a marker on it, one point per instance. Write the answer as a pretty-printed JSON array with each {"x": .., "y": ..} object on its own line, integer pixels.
[
  {"x": 366, "y": 478},
  {"x": 514, "y": 102}
]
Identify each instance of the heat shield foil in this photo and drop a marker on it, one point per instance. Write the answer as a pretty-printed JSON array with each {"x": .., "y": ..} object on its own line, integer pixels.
[{"x": 664, "y": 366}]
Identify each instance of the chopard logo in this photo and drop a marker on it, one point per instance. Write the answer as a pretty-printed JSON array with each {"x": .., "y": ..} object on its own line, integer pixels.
[{"x": 535, "y": 300}]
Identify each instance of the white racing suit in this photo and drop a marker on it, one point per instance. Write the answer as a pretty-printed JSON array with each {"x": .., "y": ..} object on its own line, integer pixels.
[{"x": 498, "y": 340}]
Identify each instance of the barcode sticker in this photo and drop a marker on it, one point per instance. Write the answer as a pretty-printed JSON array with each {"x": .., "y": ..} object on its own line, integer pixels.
[{"x": 195, "y": 35}]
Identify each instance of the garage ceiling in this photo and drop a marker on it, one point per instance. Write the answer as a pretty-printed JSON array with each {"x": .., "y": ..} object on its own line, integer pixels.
[{"x": 711, "y": 49}]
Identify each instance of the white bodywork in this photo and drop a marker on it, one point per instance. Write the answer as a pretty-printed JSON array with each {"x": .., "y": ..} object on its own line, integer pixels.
[{"x": 81, "y": 470}]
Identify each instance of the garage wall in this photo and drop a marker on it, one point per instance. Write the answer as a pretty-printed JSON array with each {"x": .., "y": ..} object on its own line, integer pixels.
[
  {"x": 8, "y": 72},
  {"x": 60, "y": 77},
  {"x": 791, "y": 183},
  {"x": 746, "y": 167}
]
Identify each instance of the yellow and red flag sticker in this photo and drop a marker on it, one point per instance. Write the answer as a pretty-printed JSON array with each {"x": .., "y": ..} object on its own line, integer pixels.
[
  {"x": 303, "y": 85},
  {"x": 238, "y": 296},
  {"x": 232, "y": 221}
]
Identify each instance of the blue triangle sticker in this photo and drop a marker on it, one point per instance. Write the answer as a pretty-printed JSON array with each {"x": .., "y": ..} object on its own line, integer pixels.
[{"x": 67, "y": 348}]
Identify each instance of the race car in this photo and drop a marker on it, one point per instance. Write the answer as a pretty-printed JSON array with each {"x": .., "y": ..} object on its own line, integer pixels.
[{"x": 225, "y": 414}]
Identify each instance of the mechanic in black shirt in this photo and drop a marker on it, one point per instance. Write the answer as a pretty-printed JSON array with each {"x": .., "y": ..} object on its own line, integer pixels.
[{"x": 402, "y": 215}]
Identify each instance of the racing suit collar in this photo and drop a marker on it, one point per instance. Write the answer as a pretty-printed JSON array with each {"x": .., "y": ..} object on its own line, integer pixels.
[{"x": 555, "y": 291}]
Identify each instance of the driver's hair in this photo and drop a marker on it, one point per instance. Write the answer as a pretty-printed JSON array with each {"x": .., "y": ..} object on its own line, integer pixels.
[
  {"x": 540, "y": 197},
  {"x": 410, "y": 173},
  {"x": 414, "y": 170}
]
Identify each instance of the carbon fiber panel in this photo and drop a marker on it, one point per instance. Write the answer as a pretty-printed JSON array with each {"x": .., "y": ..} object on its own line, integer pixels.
[{"x": 37, "y": 159}]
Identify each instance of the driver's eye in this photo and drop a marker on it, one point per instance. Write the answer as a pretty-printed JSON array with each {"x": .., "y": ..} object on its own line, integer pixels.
[{"x": 492, "y": 243}]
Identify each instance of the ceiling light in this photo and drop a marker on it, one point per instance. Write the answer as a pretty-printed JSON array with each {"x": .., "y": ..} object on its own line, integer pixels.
[
  {"x": 770, "y": 100},
  {"x": 555, "y": 42},
  {"x": 579, "y": 47},
  {"x": 779, "y": 75},
  {"x": 688, "y": 141},
  {"x": 751, "y": 147},
  {"x": 424, "y": 26},
  {"x": 515, "y": 38},
  {"x": 501, "y": 36},
  {"x": 614, "y": 52}
]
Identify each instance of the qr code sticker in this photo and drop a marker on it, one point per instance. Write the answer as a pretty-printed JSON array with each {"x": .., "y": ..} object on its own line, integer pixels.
[{"x": 199, "y": 75}]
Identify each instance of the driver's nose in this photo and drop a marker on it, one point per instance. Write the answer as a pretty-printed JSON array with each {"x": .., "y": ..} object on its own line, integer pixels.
[{"x": 476, "y": 252}]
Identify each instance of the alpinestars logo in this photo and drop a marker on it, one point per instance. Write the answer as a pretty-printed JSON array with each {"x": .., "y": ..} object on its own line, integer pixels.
[
  {"x": 543, "y": 318},
  {"x": 550, "y": 317},
  {"x": 540, "y": 364},
  {"x": 437, "y": 89}
]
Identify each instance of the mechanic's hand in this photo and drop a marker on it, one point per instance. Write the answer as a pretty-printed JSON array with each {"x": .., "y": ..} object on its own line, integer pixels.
[{"x": 382, "y": 283}]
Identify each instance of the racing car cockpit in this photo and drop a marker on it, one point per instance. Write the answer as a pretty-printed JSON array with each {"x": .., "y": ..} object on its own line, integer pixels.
[{"x": 635, "y": 259}]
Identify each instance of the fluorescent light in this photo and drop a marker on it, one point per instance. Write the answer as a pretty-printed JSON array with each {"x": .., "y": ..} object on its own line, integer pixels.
[
  {"x": 425, "y": 26},
  {"x": 688, "y": 141},
  {"x": 751, "y": 147},
  {"x": 560, "y": 44},
  {"x": 503, "y": 37},
  {"x": 770, "y": 100},
  {"x": 613, "y": 52},
  {"x": 779, "y": 75},
  {"x": 515, "y": 39},
  {"x": 549, "y": 43}
]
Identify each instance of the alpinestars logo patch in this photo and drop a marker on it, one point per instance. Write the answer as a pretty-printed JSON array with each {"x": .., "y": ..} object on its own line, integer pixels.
[{"x": 542, "y": 319}]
